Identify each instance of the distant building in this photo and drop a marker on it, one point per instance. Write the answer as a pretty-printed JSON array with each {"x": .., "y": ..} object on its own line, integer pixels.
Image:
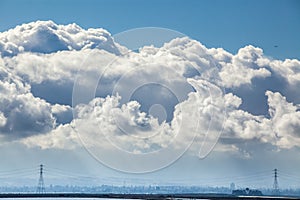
[
  {"x": 247, "y": 192},
  {"x": 232, "y": 186}
]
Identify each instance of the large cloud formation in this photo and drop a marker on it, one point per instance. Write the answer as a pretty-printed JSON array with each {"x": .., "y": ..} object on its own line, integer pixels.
[{"x": 40, "y": 60}]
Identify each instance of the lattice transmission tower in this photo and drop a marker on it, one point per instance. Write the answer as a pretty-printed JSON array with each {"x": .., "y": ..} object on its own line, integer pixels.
[
  {"x": 275, "y": 184},
  {"x": 41, "y": 185}
]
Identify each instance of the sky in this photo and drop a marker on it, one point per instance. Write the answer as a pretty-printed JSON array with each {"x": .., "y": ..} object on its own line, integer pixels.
[
  {"x": 270, "y": 24},
  {"x": 208, "y": 96}
]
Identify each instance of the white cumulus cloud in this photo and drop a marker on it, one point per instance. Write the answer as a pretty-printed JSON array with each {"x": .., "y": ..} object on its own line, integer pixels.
[
  {"x": 285, "y": 117},
  {"x": 40, "y": 61},
  {"x": 48, "y": 37}
]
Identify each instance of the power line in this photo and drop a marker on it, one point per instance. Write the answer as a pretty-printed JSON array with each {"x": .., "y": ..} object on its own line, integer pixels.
[{"x": 249, "y": 179}]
